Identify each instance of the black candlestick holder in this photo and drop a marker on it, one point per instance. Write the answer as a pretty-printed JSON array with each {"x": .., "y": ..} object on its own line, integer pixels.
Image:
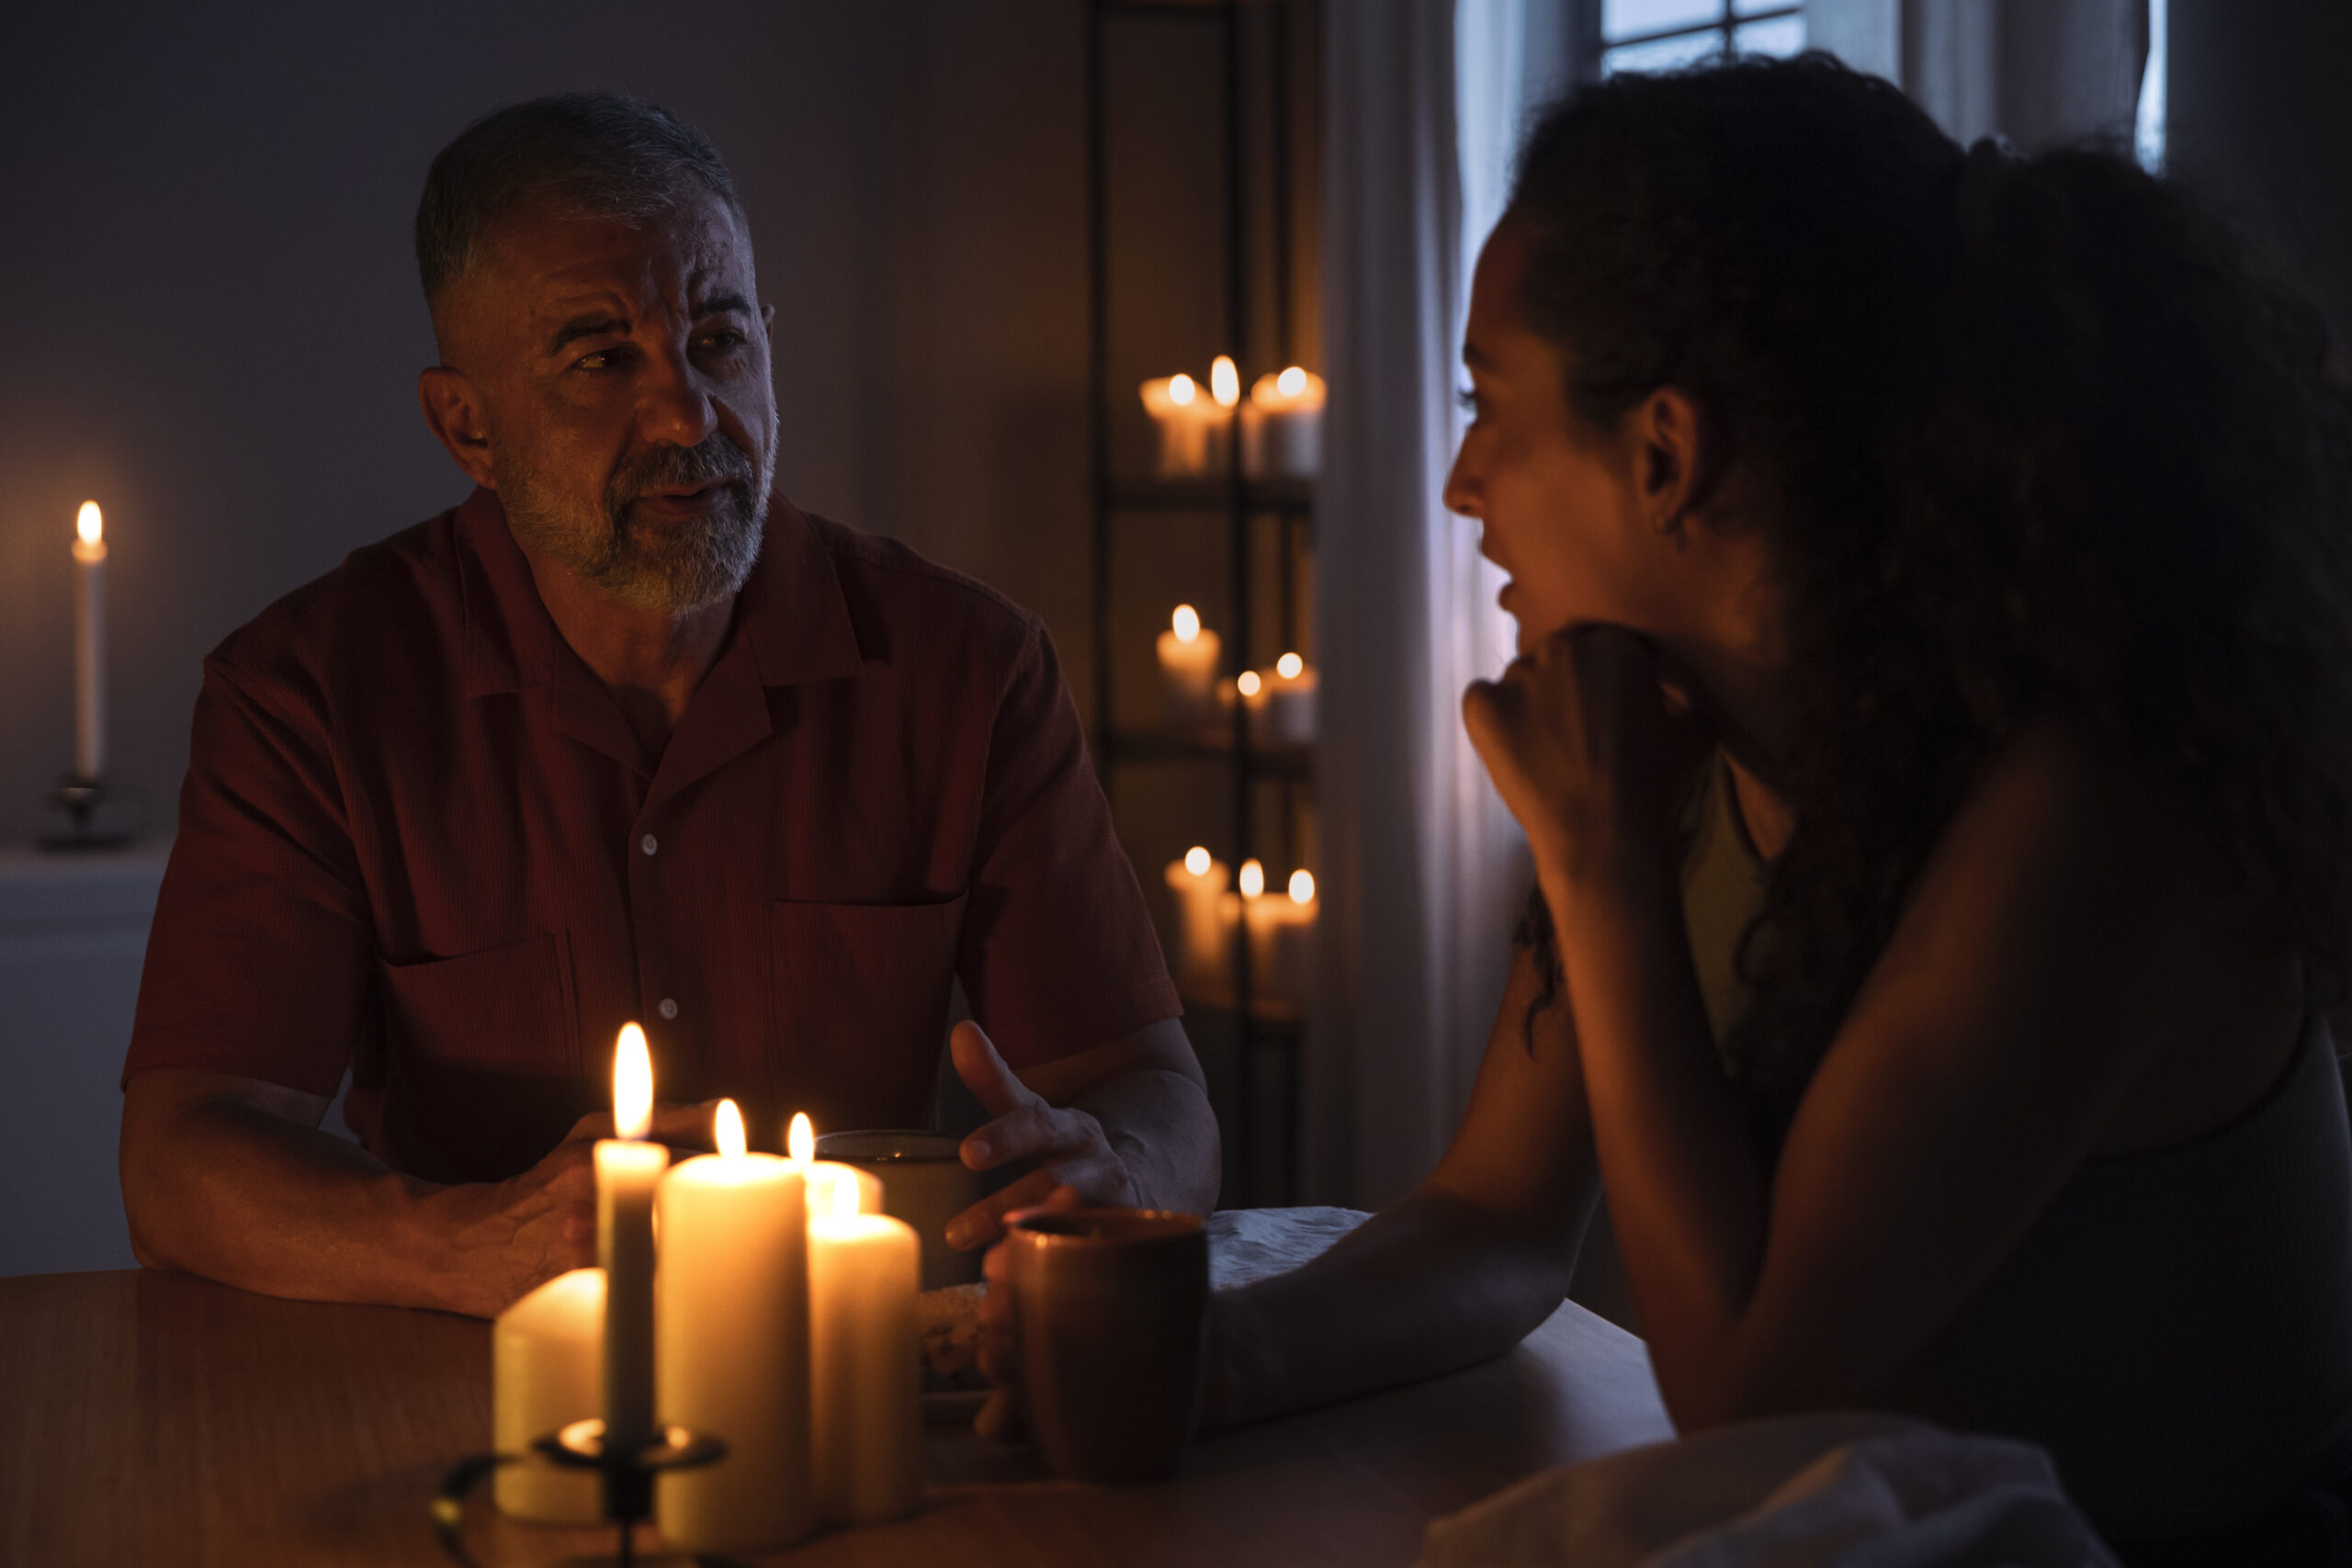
[
  {"x": 83, "y": 813},
  {"x": 628, "y": 1473}
]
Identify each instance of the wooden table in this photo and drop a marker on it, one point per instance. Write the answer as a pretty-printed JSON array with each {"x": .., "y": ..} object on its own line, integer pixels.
[{"x": 156, "y": 1418}]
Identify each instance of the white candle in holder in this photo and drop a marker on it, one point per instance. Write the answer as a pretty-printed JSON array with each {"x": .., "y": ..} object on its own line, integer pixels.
[
  {"x": 1288, "y": 714},
  {"x": 1187, "y": 658},
  {"x": 626, "y": 1171},
  {"x": 1202, "y": 938},
  {"x": 89, "y": 645},
  {"x": 1281, "y": 428}
]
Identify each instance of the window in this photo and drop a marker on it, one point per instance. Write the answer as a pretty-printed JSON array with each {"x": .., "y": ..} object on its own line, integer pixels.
[{"x": 1664, "y": 35}]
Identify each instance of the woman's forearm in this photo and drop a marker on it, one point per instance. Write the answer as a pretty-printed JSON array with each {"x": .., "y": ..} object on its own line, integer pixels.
[
  {"x": 1688, "y": 1193},
  {"x": 1428, "y": 1286}
]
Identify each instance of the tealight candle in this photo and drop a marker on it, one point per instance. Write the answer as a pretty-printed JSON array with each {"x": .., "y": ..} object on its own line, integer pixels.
[
  {"x": 1188, "y": 660},
  {"x": 1202, "y": 941},
  {"x": 862, "y": 1271},
  {"x": 732, "y": 1344},
  {"x": 1281, "y": 428},
  {"x": 545, "y": 1356},
  {"x": 626, "y": 1170}
]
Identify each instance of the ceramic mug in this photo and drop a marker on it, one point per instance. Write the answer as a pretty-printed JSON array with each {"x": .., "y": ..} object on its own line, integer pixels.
[
  {"x": 926, "y": 1183},
  {"x": 1111, "y": 1308}
]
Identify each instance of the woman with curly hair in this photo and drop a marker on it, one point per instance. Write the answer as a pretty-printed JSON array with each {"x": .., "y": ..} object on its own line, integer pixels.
[{"x": 1934, "y": 733}]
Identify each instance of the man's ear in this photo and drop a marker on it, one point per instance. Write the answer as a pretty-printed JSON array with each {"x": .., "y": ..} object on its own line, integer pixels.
[
  {"x": 1679, "y": 457},
  {"x": 454, "y": 412}
]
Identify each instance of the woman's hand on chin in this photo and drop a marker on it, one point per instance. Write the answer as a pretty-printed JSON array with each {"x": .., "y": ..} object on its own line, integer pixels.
[{"x": 1588, "y": 749}]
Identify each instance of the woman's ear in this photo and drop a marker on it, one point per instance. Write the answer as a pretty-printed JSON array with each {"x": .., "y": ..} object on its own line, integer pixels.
[{"x": 1678, "y": 457}]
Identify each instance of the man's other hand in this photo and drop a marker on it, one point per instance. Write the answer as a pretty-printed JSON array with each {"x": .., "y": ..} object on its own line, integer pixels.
[{"x": 1066, "y": 1148}]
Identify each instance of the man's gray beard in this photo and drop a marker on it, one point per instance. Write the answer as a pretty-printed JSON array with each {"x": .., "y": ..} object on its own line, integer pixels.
[{"x": 674, "y": 567}]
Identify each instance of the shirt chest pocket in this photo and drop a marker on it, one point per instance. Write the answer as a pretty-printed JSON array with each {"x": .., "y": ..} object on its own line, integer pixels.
[
  {"x": 859, "y": 1003},
  {"x": 504, "y": 1010}
]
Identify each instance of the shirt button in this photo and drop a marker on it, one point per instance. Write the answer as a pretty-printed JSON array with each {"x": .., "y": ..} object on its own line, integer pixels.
[
  {"x": 669, "y": 1008},
  {"x": 649, "y": 843}
]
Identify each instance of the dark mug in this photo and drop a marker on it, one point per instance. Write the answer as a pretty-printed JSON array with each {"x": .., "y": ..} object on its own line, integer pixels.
[{"x": 1111, "y": 1308}]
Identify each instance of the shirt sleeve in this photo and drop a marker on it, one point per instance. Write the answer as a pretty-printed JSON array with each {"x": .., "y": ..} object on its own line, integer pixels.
[
  {"x": 259, "y": 961},
  {"x": 1057, "y": 952}
]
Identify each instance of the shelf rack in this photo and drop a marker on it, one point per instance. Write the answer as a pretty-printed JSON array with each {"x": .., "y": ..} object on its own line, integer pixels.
[{"x": 1261, "y": 1024}]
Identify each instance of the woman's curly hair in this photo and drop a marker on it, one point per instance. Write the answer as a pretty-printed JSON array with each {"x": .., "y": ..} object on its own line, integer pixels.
[{"x": 2048, "y": 441}]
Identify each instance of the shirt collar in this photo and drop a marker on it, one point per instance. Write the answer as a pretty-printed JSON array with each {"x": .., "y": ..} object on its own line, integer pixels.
[{"x": 792, "y": 611}]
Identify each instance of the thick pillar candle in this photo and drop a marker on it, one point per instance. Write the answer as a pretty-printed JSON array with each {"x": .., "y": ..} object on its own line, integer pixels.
[
  {"x": 89, "y": 644},
  {"x": 627, "y": 1172},
  {"x": 1202, "y": 944},
  {"x": 863, "y": 1270},
  {"x": 1188, "y": 661},
  {"x": 732, "y": 1346},
  {"x": 546, "y": 1356}
]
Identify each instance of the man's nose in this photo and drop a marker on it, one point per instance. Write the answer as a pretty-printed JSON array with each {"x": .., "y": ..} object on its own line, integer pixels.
[{"x": 673, "y": 406}]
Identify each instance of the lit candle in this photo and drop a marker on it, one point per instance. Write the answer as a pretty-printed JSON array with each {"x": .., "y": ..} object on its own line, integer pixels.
[
  {"x": 732, "y": 1344},
  {"x": 1281, "y": 428},
  {"x": 1203, "y": 941},
  {"x": 1281, "y": 935},
  {"x": 626, "y": 1171},
  {"x": 1287, "y": 716},
  {"x": 1187, "y": 658},
  {"x": 1225, "y": 381},
  {"x": 545, "y": 1355},
  {"x": 824, "y": 1175},
  {"x": 863, "y": 1270},
  {"x": 89, "y": 645},
  {"x": 1193, "y": 430}
]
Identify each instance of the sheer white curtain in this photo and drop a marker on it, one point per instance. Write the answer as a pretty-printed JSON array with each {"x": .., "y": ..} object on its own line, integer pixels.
[{"x": 1424, "y": 871}]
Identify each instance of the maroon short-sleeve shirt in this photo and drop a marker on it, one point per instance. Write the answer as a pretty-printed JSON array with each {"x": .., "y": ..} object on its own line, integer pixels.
[{"x": 418, "y": 838}]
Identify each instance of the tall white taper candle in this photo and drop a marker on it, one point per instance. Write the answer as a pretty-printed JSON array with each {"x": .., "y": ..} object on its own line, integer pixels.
[
  {"x": 626, "y": 1170},
  {"x": 90, "y": 645}
]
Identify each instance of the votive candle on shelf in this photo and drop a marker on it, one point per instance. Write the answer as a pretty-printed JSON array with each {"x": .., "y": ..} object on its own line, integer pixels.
[
  {"x": 1287, "y": 716},
  {"x": 732, "y": 1344},
  {"x": 1282, "y": 427},
  {"x": 1194, "y": 428},
  {"x": 627, "y": 1168},
  {"x": 863, "y": 1274},
  {"x": 1202, "y": 938},
  {"x": 1188, "y": 660},
  {"x": 1281, "y": 939},
  {"x": 546, "y": 1372},
  {"x": 89, "y": 644}
]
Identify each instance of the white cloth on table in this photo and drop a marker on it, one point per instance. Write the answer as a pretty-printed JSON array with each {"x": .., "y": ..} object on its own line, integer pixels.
[{"x": 1830, "y": 1490}]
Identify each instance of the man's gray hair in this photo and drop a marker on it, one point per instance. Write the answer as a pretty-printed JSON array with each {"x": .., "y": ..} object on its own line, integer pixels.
[{"x": 584, "y": 154}]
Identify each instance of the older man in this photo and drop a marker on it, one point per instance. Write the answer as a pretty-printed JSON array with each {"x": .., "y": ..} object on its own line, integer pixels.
[{"x": 621, "y": 736}]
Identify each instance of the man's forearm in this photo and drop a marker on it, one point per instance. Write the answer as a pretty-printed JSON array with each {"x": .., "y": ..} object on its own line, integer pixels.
[
  {"x": 1161, "y": 1126},
  {"x": 216, "y": 1185}
]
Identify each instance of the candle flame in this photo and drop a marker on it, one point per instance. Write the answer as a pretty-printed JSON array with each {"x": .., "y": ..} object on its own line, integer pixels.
[
  {"x": 1183, "y": 390},
  {"x": 844, "y": 1199},
  {"x": 632, "y": 1084},
  {"x": 1253, "y": 878},
  {"x": 1291, "y": 382},
  {"x": 89, "y": 522},
  {"x": 1186, "y": 622},
  {"x": 1302, "y": 886},
  {"x": 1225, "y": 381},
  {"x": 1247, "y": 684},
  {"x": 726, "y": 1130},
  {"x": 1289, "y": 665},
  {"x": 1196, "y": 860},
  {"x": 801, "y": 1142}
]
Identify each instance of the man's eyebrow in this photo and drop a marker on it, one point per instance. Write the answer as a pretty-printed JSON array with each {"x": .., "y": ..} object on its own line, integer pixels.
[
  {"x": 588, "y": 326},
  {"x": 722, "y": 304}
]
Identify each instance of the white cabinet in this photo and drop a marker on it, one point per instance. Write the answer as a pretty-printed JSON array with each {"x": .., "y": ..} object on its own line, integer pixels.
[{"x": 72, "y": 933}]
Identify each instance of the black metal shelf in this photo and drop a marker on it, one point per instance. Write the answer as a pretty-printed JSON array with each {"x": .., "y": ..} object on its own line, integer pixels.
[
  {"x": 1287, "y": 497},
  {"x": 1265, "y": 759}
]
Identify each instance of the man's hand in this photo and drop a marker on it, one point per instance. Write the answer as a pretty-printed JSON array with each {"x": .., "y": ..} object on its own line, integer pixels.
[
  {"x": 1066, "y": 1148},
  {"x": 513, "y": 1235}
]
